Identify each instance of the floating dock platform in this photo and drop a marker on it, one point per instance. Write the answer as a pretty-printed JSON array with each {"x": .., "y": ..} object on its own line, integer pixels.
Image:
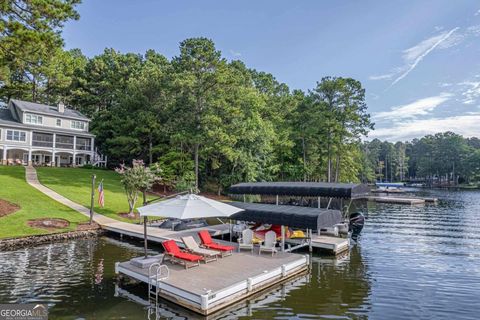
[
  {"x": 402, "y": 200},
  {"x": 336, "y": 245},
  {"x": 211, "y": 287},
  {"x": 397, "y": 200}
]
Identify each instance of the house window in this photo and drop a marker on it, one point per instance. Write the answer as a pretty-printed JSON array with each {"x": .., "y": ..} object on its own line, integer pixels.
[
  {"x": 33, "y": 119},
  {"x": 59, "y": 122},
  {"x": 15, "y": 135},
  {"x": 78, "y": 125}
]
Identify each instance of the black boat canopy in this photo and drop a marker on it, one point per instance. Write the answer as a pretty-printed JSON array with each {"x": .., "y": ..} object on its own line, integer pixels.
[
  {"x": 303, "y": 189},
  {"x": 292, "y": 216}
]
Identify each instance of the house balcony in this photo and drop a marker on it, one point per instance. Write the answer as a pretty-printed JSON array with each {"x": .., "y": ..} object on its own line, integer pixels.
[{"x": 46, "y": 140}]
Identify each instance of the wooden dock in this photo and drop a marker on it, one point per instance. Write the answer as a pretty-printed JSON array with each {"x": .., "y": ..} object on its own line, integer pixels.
[
  {"x": 336, "y": 245},
  {"x": 211, "y": 287},
  {"x": 396, "y": 200},
  {"x": 159, "y": 235}
]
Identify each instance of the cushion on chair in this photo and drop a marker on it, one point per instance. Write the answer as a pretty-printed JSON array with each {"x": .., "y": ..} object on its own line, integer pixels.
[
  {"x": 171, "y": 246},
  {"x": 188, "y": 256},
  {"x": 205, "y": 237},
  {"x": 220, "y": 247}
]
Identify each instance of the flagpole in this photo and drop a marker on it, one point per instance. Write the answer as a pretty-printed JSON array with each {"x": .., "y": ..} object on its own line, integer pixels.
[{"x": 93, "y": 198}]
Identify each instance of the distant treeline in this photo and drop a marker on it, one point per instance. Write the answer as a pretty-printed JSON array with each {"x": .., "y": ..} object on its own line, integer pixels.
[{"x": 440, "y": 159}]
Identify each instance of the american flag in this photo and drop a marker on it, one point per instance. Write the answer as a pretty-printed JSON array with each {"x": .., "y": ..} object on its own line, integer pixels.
[{"x": 101, "y": 196}]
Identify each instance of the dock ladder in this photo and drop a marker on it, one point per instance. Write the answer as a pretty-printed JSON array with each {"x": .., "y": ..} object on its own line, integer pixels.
[{"x": 156, "y": 272}]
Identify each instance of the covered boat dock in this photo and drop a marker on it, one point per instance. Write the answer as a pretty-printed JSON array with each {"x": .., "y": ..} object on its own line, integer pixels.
[
  {"x": 302, "y": 189},
  {"x": 310, "y": 213}
]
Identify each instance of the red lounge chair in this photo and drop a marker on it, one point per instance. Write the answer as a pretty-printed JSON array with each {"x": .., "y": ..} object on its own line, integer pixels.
[
  {"x": 208, "y": 243},
  {"x": 176, "y": 255}
]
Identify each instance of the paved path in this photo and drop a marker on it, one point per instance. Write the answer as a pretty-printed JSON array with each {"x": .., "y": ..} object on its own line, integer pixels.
[
  {"x": 32, "y": 179},
  {"x": 130, "y": 229}
]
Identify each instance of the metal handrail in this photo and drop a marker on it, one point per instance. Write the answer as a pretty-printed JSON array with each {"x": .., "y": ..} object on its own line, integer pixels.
[{"x": 157, "y": 276}]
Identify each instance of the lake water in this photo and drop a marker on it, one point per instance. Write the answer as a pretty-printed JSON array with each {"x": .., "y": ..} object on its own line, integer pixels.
[{"x": 419, "y": 262}]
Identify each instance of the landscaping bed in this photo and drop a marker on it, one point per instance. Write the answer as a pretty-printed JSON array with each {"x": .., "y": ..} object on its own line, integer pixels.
[{"x": 7, "y": 207}]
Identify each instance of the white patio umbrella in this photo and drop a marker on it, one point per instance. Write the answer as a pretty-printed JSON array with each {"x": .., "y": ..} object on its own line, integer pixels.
[{"x": 190, "y": 206}]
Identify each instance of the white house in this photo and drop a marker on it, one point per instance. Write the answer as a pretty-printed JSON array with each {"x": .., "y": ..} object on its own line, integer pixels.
[{"x": 38, "y": 134}]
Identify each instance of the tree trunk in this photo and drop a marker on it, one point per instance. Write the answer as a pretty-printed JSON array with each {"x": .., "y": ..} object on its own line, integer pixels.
[
  {"x": 196, "y": 166},
  {"x": 304, "y": 160},
  {"x": 337, "y": 168},
  {"x": 329, "y": 163},
  {"x": 150, "y": 156}
]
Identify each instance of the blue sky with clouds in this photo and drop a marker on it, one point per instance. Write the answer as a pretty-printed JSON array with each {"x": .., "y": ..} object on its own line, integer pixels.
[{"x": 419, "y": 60}]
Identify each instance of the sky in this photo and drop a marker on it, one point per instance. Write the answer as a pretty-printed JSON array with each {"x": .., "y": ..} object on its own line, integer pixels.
[{"x": 418, "y": 60}]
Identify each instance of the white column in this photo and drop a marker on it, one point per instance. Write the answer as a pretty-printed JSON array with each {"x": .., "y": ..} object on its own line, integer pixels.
[
  {"x": 74, "y": 150},
  {"x": 31, "y": 138},
  {"x": 30, "y": 157},
  {"x": 92, "y": 150},
  {"x": 4, "y": 160},
  {"x": 53, "y": 162}
]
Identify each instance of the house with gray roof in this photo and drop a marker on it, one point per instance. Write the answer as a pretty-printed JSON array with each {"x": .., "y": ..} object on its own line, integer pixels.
[{"x": 38, "y": 134}]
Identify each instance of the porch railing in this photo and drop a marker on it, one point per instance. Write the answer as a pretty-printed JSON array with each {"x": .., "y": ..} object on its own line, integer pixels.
[{"x": 37, "y": 143}]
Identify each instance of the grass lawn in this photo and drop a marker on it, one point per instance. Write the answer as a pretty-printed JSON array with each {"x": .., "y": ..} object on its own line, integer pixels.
[
  {"x": 76, "y": 183},
  {"x": 33, "y": 204}
]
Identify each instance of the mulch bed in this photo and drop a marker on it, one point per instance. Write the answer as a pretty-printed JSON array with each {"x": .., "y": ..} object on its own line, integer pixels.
[
  {"x": 49, "y": 223},
  {"x": 87, "y": 226},
  {"x": 214, "y": 196},
  {"x": 126, "y": 215},
  {"x": 7, "y": 207}
]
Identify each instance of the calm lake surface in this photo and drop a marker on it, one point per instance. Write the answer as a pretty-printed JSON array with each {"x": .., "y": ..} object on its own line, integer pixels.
[{"x": 419, "y": 262}]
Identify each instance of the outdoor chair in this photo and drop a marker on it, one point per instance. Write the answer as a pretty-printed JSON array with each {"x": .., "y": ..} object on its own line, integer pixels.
[
  {"x": 246, "y": 241},
  {"x": 181, "y": 257},
  {"x": 208, "y": 243},
  {"x": 269, "y": 243},
  {"x": 192, "y": 246}
]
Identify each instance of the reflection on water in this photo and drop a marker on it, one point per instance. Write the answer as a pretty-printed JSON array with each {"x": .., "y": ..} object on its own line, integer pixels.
[{"x": 412, "y": 262}]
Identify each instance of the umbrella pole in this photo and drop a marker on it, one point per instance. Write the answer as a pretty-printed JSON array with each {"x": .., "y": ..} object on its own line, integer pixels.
[{"x": 145, "y": 219}]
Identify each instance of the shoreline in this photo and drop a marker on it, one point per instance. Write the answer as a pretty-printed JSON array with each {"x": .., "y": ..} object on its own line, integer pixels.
[{"x": 21, "y": 242}]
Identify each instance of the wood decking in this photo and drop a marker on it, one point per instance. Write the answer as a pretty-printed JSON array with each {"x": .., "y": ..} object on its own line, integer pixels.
[
  {"x": 336, "y": 245},
  {"x": 213, "y": 286},
  {"x": 159, "y": 235}
]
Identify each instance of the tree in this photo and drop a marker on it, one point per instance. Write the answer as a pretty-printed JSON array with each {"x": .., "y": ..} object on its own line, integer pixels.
[
  {"x": 199, "y": 72},
  {"x": 31, "y": 45},
  {"x": 135, "y": 179}
]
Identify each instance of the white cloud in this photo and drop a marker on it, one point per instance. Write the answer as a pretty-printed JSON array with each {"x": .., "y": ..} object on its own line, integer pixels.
[
  {"x": 471, "y": 93},
  {"x": 419, "y": 107},
  {"x": 381, "y": 76},
  {"x": 414, "y": 55},
  {"x": 477, "y": 13},
  {"x": 466, "y": 125},
  {"x": 235, "y": 53}
]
